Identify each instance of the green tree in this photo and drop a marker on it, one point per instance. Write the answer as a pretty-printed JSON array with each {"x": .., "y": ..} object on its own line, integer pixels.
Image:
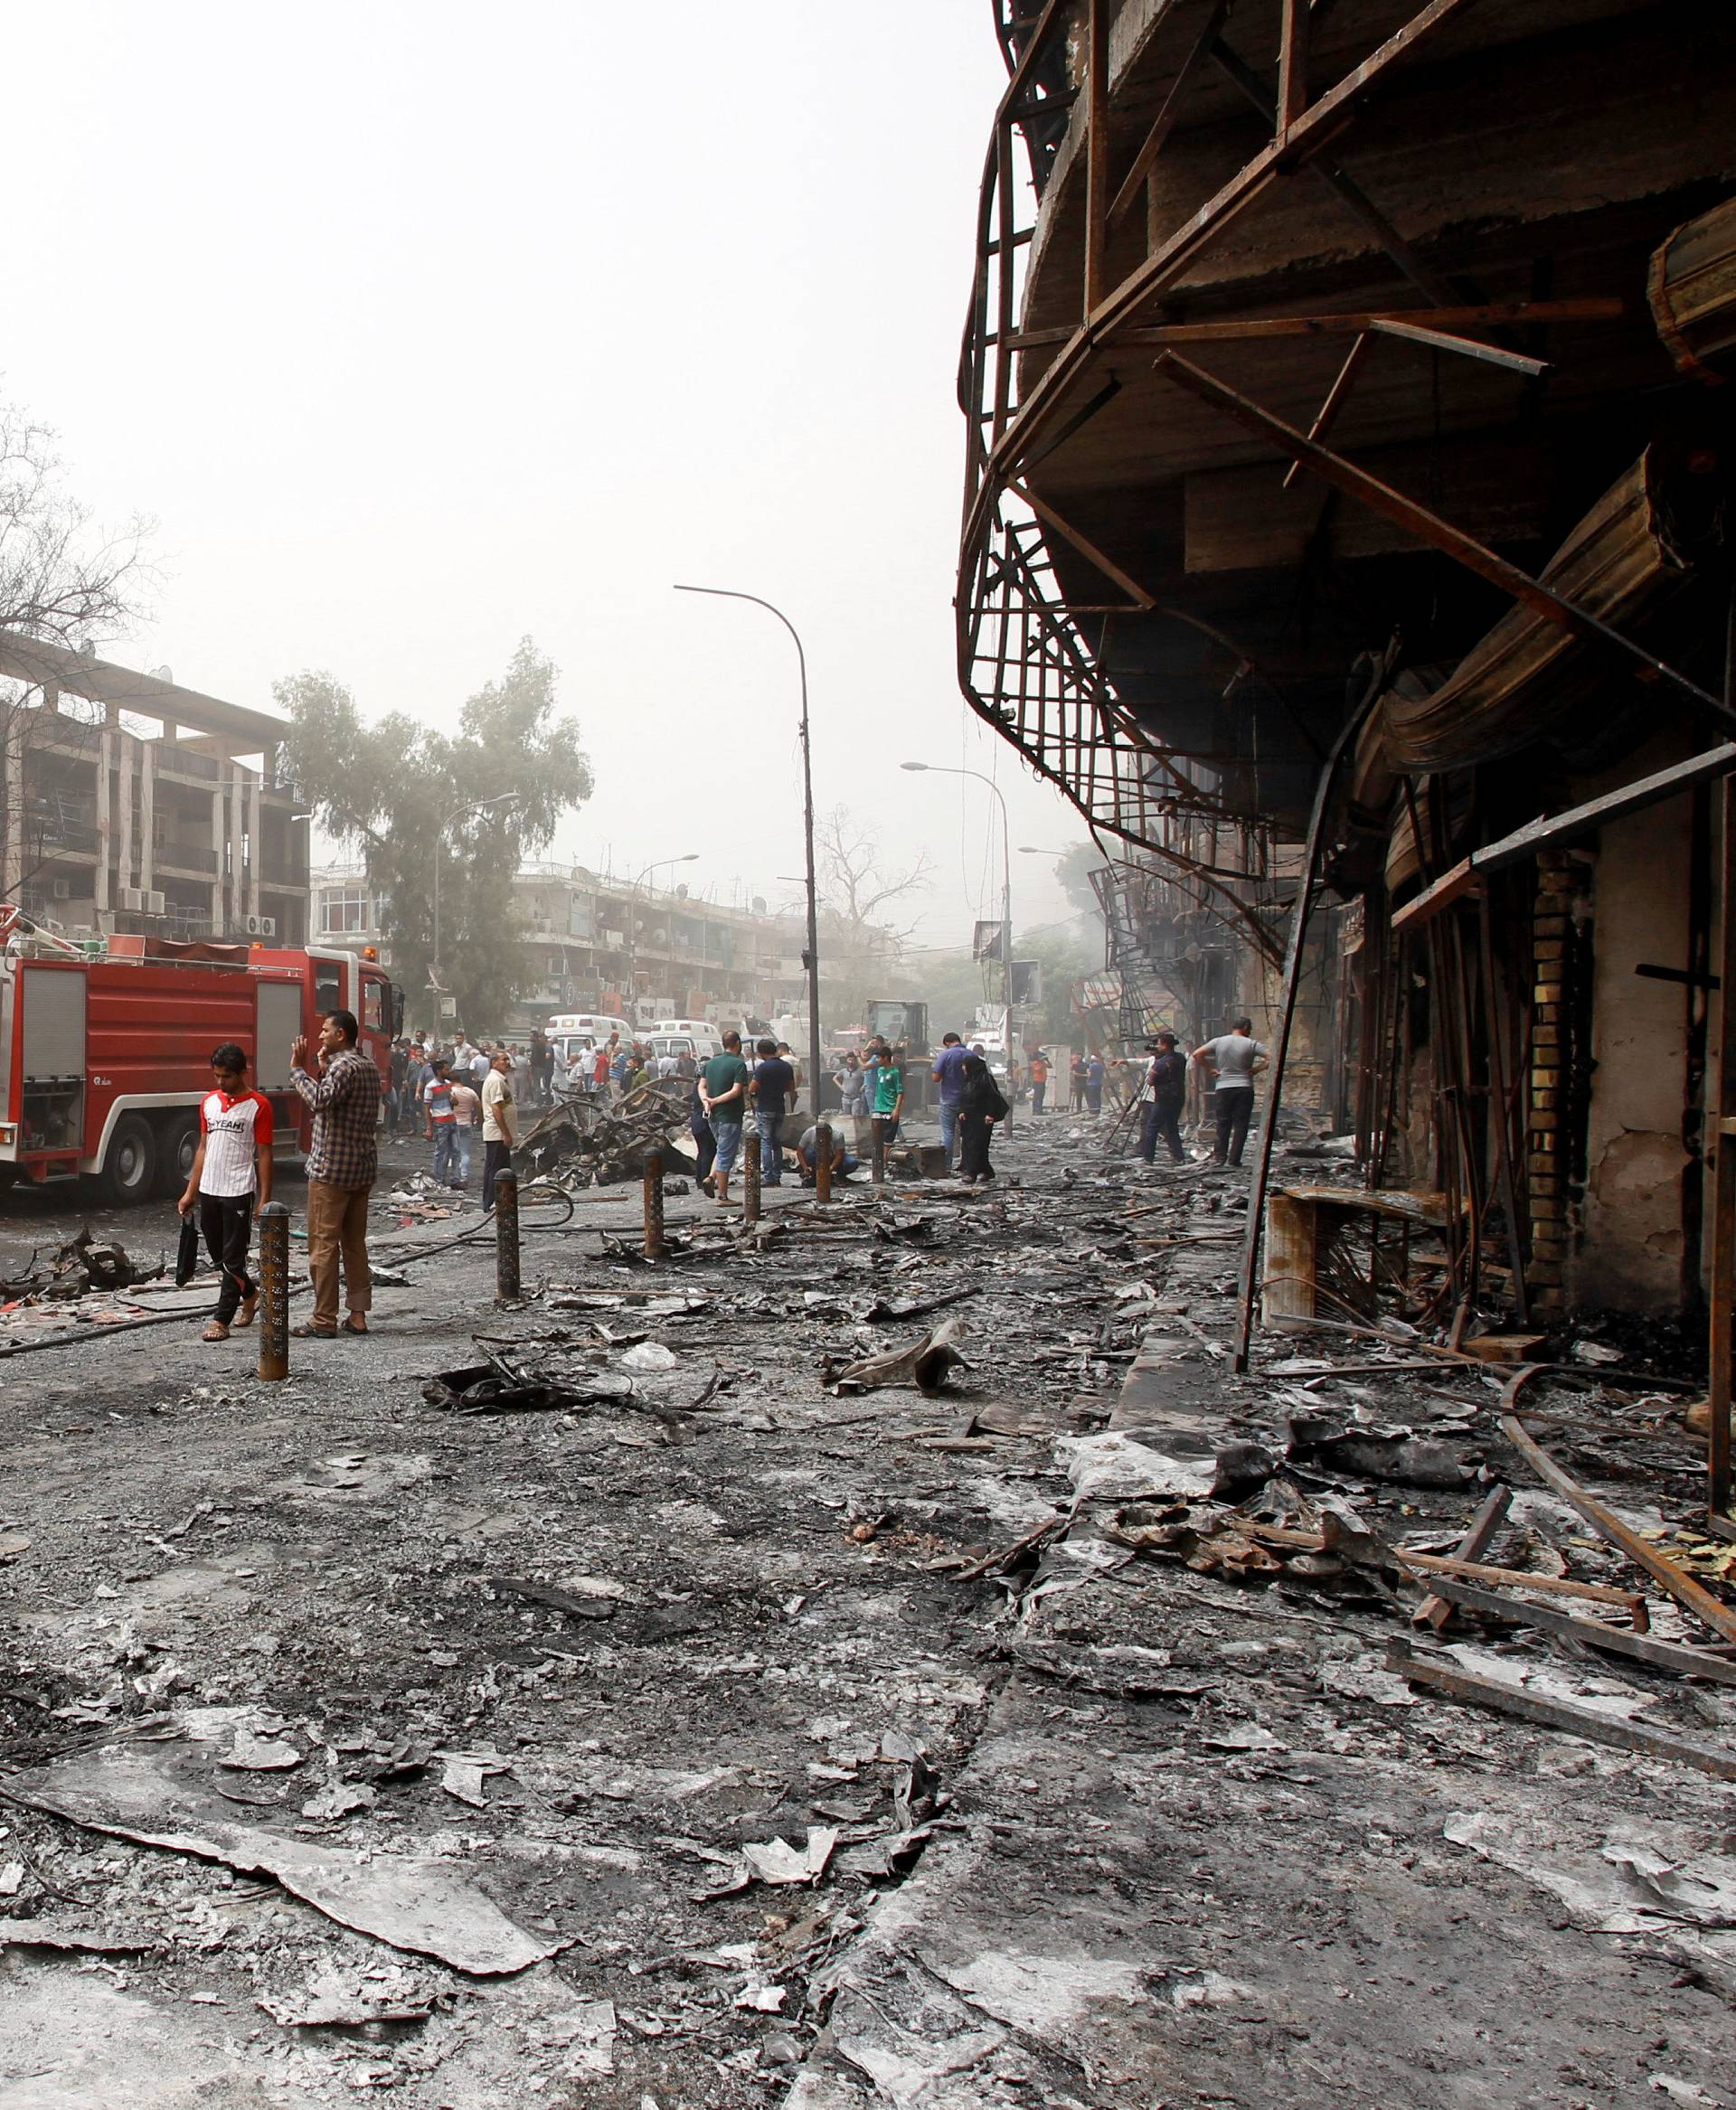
[{"x": 477, "y": 796}]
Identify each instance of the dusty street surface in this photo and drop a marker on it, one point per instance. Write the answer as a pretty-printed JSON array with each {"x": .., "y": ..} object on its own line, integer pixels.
[{"x": 744, "y": 1741}]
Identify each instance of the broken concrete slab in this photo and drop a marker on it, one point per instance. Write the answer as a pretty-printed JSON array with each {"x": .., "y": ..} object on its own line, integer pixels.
[{"x": 158, "y": 1793}]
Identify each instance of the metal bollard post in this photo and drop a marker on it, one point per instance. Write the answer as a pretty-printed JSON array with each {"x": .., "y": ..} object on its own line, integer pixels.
[
  {"x": 274, "y": 1292},
  {"x": 823, "y": 1161},
  {"x": 749, "y": 1179},
  {"x": 507, "y": 1237},
  {"x": 878, "y": 1149},
  {"x": 654, "y": 1246}
]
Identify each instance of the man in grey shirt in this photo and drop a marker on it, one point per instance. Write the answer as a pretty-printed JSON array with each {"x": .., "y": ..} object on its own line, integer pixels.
[{"x": 1233, "y": 1058}]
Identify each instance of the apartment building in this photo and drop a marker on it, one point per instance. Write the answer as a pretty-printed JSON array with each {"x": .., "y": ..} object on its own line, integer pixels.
[
  {"x": 130, "y": 803},
  {"x": 598, "y": 943}
]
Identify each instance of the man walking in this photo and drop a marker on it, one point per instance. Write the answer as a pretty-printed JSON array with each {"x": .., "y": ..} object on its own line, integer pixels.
[
  {"x": 949, "y": 1073},
  {"x": 1162, "y": 1098},
  {"x": 499, "y": 1125},
  {"x": 342, "y": 1161},
  {"x": 771, "y": 1087},
  {"x": 1233, "y": 1058},
  {"x": 723, "y": 1093},
  {"x": 230, "y": 1166}
]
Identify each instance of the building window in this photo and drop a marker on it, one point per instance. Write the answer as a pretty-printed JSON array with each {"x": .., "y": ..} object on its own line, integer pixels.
[{"x": 344, "y": 910}]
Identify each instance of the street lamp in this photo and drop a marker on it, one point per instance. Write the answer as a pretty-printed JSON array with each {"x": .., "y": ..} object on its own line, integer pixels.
[
  {"x": 475, "y": 805},
  {"x": 812, "y": 962},
  {"x": 688, "y": 857},
  {"x": 941, "y": 770}
]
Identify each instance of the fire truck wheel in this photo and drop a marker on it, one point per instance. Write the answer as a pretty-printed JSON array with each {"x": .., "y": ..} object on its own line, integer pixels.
[
  {"x": 131, "y": 1164},
  {"x": 176, "y": 1150}
]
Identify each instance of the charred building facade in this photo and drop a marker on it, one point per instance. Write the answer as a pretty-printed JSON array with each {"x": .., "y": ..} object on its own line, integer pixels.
[{"x": 1346, "y": 535}]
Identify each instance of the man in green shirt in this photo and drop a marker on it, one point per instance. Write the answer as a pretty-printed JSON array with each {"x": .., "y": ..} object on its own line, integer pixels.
[
  {"x": 724, "y": 1094},
  {"x": 889, "y": 1094}
]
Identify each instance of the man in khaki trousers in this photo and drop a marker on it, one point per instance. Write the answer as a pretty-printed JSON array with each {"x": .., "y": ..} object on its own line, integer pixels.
[{"x": 342, "y": 1163}]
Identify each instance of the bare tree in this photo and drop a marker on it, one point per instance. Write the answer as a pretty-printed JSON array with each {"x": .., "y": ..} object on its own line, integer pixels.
[
  {"x": 61, "y": 578},
  {"x": 860, "y": 948},
  {"x": 63, "y": 582}
]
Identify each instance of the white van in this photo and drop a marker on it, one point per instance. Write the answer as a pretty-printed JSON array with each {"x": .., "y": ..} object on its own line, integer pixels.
[
  {"x": 586, "y": 1025},
  {"x": 694, "y": 1044},
  {"x": 701, "y": 1029}
]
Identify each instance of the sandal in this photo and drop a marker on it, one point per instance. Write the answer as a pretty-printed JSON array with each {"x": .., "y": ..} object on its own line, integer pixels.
[
  {"x": 215, "y": 1331},
  {"x": 350, "y": 1326},
  {"x": 249, "y": 1305},
  {"x": 312, "y": 1332}
]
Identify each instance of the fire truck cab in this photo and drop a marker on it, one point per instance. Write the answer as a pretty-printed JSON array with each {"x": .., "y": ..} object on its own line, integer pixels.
[{"x": 104, "y": 1047}]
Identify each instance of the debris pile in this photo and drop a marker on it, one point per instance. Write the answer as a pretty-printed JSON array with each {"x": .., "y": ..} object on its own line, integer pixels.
[{"x": 587, "y": 1144}]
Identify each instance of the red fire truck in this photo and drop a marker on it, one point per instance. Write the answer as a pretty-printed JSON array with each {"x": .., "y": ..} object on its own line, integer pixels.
[{"x": 104, "y": 1047}]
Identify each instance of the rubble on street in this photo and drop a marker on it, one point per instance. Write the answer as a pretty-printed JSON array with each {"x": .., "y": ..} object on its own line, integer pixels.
[{"x": 865, "y": 1666}]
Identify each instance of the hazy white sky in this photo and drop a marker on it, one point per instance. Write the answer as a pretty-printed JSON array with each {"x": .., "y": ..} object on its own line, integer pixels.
[{"x": 418, "y": 328}]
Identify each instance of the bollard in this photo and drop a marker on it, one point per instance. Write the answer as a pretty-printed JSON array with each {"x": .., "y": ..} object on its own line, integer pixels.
[
  {"x": 654, "y": 1246},
  {"x": 749, "y": 1179},
  {"x": 823, "y": 1161},
  {"x": 879, "y": 1149},
  {"x": 274, "y": 1292},
  {"x": 507, "y": 1237}
]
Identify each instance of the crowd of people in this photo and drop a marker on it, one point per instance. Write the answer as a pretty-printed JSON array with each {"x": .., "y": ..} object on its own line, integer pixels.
[{"x": 736, "y": 1101}]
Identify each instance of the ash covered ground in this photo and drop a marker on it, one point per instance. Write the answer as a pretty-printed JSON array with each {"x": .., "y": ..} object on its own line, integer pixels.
[{"x": 751, "y": 1740}]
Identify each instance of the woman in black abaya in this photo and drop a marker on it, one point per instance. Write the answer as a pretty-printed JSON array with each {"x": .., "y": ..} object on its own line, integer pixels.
[{"x": 980, "y": 1105}]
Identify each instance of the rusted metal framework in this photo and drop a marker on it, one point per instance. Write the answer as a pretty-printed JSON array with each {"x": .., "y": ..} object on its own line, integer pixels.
[{"x": 1302, "y": 332}]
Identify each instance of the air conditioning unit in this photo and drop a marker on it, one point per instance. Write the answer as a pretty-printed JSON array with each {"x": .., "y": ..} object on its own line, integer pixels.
[
  {"x": 267, "y": 926},
  {"x": 153, "y": 902},
  {"x": 62, "y": 889},
  {"x": 252, "y": 926},
  {"x": 133, "y": 900}
]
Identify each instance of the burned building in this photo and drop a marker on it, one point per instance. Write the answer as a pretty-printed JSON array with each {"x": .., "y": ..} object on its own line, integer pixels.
[{"x": 1347, "y": 536}]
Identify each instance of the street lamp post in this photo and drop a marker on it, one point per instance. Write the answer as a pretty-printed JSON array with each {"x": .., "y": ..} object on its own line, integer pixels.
[
  {"x": 656, "y": 864},
  {"x": 941, "y": 770},
  {"x": 813, "y": 959},
  {"x": 475, "y": 806}
]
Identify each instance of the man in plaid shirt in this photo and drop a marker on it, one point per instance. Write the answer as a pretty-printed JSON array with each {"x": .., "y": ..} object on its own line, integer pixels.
[{"x": 341, "y": 1162}]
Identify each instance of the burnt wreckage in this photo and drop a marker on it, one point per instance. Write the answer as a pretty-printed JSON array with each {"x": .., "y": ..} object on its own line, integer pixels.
[{"x": 1347, "y": 536}]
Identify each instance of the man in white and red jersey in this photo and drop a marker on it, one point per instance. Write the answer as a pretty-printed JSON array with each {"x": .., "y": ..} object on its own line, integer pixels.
[{"x": 232, "y": 1164}]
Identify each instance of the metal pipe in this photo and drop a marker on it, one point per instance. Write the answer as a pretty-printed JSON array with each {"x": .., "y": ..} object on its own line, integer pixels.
[
  {"x": 506, "y": 1273},
  {"x": 274, "y": 1292},
  {"x": 653, "y": 1243},
  {"x": 749, "y": 1178},
  {"x": 811, "y": 960}
]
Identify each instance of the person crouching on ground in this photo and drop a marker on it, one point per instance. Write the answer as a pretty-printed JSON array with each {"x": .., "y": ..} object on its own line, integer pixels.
[
  {"x": 499, "y": 1125},
  {"x": 342, "y": 1161},
  {"x": 231, "y": 1165},
  {"x": 724, "y": 1094},
  {"x": 809, "y": 1151}
]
